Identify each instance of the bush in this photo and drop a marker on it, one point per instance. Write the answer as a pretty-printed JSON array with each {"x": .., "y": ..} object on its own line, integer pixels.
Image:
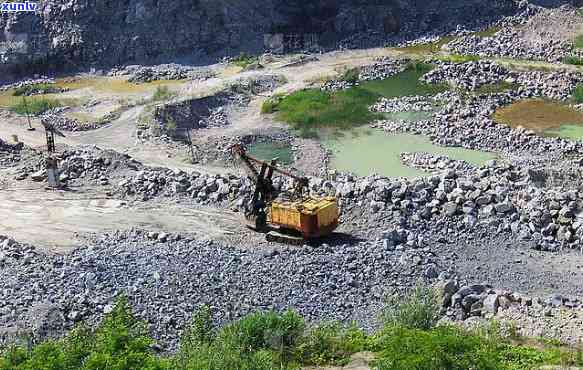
[
  {"x": 244, "y": 60},
  {"x": 419, "y": 310},
  {"x": 270, "y": 105},
  {"x": 35, "y": 106},
  {"x": 420, "y": 67},
  {"x": 38, "y": 88},
  {"x": 573, "y": 60},
  {"x": 162, "y": 93},
  {"x": 120, "y": 342},
  {"x": 440, "y": 348},
  {"x": 351, "y": 75},
  {"x": 578, "y": 94},
  {"x": 331, "y": 344}
]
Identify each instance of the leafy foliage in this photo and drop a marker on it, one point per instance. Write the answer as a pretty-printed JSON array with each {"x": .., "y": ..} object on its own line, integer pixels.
[
  {"x": 41, "y": 88},
  {"x": 244, "y": 60},
  {"x": 574, "y": 60},
  {"x": 351, "y": 75},
  {"x": 162, "y": 93},
  {"x": 269, "y": 341},
  {"x": 418, "y": 310},
  {"x": 578, "y": 94}
]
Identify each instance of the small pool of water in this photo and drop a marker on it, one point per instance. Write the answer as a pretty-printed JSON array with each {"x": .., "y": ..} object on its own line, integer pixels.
[
  {"x": 403, "y": 84},
  {"x": 267, "y": 150},
  {"x": 543, "y": 117},
  {"x": 365, "y": 151}
]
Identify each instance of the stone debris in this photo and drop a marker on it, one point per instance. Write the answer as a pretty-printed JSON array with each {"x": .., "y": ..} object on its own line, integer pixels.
[{"x": 142, "y": 74}]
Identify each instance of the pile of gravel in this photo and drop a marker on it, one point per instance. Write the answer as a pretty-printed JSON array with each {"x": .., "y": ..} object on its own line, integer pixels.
[
  {"x": 141, "y": 74},
  {"x": 470, "y": 75},
  {"x": 28, "y": 82},
  {"x": 436, "y": 163},
  {"x": 404, "y": 104}
]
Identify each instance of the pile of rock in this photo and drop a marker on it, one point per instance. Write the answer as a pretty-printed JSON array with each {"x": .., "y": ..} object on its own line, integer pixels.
[
  {"x": 470, "y": 75},
  {"x": 141, "y": 74},
  {"x": 216, "y": 118},
  {"x": 167, "y": 277},
  {"x": 404, "y": 104},
  {"x": 10, "y": 153},
  {"x": 336, "y": 85},
  {"x": 64, "y": 123},
  {"x": 436, "y": 163},
  {"x": 202, "y": 188},
  {"x": 383, "y": 68},
  {"x": 30, "y": 82},
  {"x": 554, "y": 85}
]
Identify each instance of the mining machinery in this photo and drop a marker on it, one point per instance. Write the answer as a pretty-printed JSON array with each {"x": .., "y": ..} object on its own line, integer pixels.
[{"x": 290, "y": 217}]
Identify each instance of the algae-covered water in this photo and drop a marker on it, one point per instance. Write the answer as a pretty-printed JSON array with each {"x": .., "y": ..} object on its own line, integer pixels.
[
  {"x": 268, "y": 150},
  {"x": 365, "y": 151},
  {"x": 403, "y": 84},
  {"x": 543, "y": 117}
]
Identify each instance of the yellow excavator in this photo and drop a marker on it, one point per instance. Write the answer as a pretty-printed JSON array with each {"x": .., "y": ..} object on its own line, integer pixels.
[{"x": 292, "y": 217}]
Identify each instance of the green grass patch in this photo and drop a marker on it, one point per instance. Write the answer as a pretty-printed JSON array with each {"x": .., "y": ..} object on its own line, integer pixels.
[
  {"x": 574, "y": 60},
  {"x": 34, "y": 107},
  {"x": 429, "y": 48},
  {"x": 162, "y": 93},
  {"x": 495, "y": 88},
  {"x": 489, "y": 32},
  {"x": 38, "y": 88},
  {"x": 578, "y": 94},
  {"x": 456, "y": 58},
  {"x": 244, "y": 60},
  {"x": 351, "y": 75},
  {"x": 311, "y": 109},
  {"x": 578, "y": 43}
]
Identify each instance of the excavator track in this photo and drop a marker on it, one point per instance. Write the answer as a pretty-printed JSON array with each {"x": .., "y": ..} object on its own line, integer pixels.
[{"x": 276, "y": 237}]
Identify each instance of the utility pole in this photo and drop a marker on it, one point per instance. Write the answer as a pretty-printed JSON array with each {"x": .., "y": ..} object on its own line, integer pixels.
[
  {"x": 189, "y": 142},
  {"x": 52, "y": 162},
  {"x": 30, "y": 128}
]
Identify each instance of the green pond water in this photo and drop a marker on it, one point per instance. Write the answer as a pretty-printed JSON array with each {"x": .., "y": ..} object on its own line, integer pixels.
[
  {"x": 403, "y": 84},
  {"x": 408, "y": 116},
  {"x": 567, "y": 131},
  {"x": 365, "y": 151},
  {"x": 267, "y": 150}
]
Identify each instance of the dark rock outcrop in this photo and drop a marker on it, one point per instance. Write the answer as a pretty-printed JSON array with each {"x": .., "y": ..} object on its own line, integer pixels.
[{"x": 84, "y": 33}]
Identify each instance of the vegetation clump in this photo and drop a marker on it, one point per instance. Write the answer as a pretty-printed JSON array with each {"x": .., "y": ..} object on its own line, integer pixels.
[
  {"x": 282, "y": 341},
  {"x": 35, "y": 89},
  {"x": 162, "y": 93},
  {"x": 35, "y": 106},
  {"x": 578, "y": 94},
  {"x": 244, "y": 60},
  {"x": 574, "y": 60}
]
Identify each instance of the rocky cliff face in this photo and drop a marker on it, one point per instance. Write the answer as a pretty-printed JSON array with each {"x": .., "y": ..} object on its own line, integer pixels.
[{"x": 109, "y": 32}]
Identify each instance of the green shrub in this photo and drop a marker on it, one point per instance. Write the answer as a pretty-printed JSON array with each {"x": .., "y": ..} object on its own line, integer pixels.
[
  {"x": 270, "y": 105},
  {"x": 244, "y": 60},
  {"x": 578, "y": 94},
  {"x": 456, "y": 58},
  {"x": 162, "y": 93},
  {"x": 420, "y": 67},
  {"x": 418, "y": 310},
  {"x": 351, "y": 75},
  {"x": 35, "y": 106},
  {"x": 574, "y": 60},
  {"x": 120, "y": 342},
  {"x": 440, "y": 348},
  {"x": 40, "y": 88},
  {"x": 331, "y": 344}
]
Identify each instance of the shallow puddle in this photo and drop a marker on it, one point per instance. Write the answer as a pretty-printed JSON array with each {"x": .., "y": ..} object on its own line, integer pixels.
[
  {"x": 267, "y": 150},
  {"x": 543, "y": 117},
  {"x": 365, "y": 151},
  {"x": 403, "y": 84}
]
